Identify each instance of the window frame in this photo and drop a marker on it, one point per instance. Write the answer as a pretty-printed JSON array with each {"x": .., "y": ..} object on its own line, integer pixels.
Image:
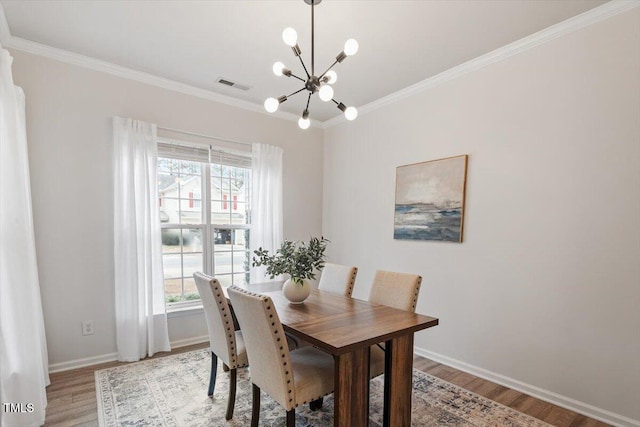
[{"x": 206, "y": 226}]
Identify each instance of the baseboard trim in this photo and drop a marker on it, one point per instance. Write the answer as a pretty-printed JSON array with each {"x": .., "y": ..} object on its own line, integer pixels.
[
  {"x": 189, "y": 341},
  {"x": 539, "y": 393},
  {"x": 82, "y": 363},
  {"x": 112, "y": 357}
]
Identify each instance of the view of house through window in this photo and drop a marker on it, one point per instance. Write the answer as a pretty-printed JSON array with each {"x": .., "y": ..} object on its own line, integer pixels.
[{"x": 205, "y": 221}]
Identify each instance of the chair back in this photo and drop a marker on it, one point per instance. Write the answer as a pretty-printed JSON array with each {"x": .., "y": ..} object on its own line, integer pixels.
[
  {"x": 397, "y": 290},
  {"x": 266, "y": 344},
  {"x": 222, "y": 337},
  {"x": 338, "y": 279}
]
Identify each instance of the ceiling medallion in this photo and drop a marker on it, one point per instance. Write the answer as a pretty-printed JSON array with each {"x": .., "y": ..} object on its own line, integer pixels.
[{"x": 320, "y": 84}]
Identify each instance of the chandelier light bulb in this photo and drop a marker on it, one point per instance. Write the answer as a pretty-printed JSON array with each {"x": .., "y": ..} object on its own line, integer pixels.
[
  {"x": 350, "y": 47},
  {"x": 290, "y": 37},
  {"x": 326, "y": 93},
  {"x": 332, "y": 77},
  {"x": 304, "y": 123},
  {"x": 278, "y": 68},
  {"x": 351, "y": 113},
  {"x": 271, "y": 105}
]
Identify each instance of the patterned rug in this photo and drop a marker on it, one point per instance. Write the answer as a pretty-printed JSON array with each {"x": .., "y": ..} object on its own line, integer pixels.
[{"x": 172, "y": 391}]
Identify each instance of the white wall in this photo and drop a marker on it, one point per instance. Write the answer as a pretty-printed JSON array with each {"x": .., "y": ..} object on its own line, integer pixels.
[
  {"x": 69, "y": 112},
  {"x": 545, "y": 289}
]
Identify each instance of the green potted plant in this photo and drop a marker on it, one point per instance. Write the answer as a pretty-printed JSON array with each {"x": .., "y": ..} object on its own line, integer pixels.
[{"x": 299, "y": 260}]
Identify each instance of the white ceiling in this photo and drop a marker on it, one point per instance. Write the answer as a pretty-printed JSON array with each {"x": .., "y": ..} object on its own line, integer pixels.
[{"x": 196, "y": 42}]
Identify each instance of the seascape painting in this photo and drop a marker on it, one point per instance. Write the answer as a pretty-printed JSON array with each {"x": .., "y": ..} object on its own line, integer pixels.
[{"x": 430, "y": 200}]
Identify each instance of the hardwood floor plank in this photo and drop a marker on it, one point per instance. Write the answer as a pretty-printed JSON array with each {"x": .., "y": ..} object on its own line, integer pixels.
[
  {"x": 423, "y": 364},
  {"x": 507, "y": 396},
  {"x": 87, "y": 395},
  {"x": 59, "y": 397},
  {"x": 529, "y": 405},
  {"x": 558, "y": 416},
  {"x": 443, "y": 372},
  {"x": 72, "y": 416},
  {"x": 71, "y": 391},
  {"x": 71, "y": 407},
  {"x": 88, "y": 420},
  {"x": 497, "y": 391},
  {"x": 584, "y": 421},
  {"x": 481, "y": 386},
  {"x": 461, "y": 379}
]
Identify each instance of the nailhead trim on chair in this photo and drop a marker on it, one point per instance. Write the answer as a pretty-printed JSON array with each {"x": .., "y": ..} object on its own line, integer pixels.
[
  {"x": 231, "y": 341},
  {"x": 352, "y": 282},
  {"x": 282, "y": 355},
  {"x": 415, "y": 295},
  {"x": 267, "y": 300},
  {"x": 289, "y": 376}
]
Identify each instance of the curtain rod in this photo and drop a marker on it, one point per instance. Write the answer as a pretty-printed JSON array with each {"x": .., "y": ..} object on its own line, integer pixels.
[{"x": 204, "y": 136}]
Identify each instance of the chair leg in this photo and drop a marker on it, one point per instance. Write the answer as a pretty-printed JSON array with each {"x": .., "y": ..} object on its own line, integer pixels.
[
  {"x": 291, "y": 418},
  {"x": 232, "y": 394},
  {"x": 255, "y": 406},
  {"x": 314, "y": 405},
  {"x": 214, "y": 370}
]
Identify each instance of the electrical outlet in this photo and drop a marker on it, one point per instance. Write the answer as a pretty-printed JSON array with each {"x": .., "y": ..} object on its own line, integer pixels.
[{"x": 88, "y": 327}]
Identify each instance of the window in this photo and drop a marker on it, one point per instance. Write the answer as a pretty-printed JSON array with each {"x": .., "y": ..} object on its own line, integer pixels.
[{"x": 204, "y": 198}]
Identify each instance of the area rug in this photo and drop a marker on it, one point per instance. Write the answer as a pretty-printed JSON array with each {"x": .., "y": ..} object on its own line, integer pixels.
[{"x": 172, "y": 391}]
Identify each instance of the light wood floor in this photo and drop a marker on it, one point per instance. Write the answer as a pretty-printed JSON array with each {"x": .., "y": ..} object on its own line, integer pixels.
[{"x": 72, "y": 395}]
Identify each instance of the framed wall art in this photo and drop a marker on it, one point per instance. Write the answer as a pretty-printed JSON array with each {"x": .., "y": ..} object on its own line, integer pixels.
[{"x": 430, "y": 200}]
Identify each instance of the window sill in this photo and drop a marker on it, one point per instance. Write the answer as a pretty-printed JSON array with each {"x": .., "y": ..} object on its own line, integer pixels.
[{"x": 181, "y": 311}]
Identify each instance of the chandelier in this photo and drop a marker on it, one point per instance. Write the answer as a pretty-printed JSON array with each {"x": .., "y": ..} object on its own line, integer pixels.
[{"x": 312, "y": 84}]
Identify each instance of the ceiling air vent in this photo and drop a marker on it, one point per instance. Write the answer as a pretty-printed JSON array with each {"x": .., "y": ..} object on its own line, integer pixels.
[{"x": 230, "y": 83}]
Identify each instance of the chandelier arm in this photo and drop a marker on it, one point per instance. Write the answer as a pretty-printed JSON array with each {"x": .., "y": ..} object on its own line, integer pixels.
[
  {"x": 327, "y": 70},
  {"x": 334, "y": 101},
  {"x": 299, "y": 78},
  {"x": 308, "y": 99},
  {"x": 340, "y": 105},
  {"x": 298, "y": 91}
]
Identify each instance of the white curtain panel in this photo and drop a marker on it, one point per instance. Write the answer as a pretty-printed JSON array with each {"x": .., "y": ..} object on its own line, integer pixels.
[
  {"x": 23, "y": 349},
  {"x": 141, "y": 318},
  {"x": 266, "y": 203}
]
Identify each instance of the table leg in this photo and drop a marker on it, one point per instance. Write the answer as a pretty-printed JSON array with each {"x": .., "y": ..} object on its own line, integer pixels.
[
  {"x": 398, "y": 377},
  {"x": 351, "y": 396}
]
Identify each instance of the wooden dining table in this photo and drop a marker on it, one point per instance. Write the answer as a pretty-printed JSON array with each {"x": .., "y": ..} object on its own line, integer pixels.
[{"x": 346, "y": 328}]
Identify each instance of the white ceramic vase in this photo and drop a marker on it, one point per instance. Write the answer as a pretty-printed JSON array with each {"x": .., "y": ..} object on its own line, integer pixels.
[{"x": 296, "y": 293}]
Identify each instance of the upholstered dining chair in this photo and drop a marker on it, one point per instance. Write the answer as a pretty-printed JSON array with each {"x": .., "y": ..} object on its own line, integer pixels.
[
  {"x": 338, "y": 279},
  {"x": 226, "y": 343},
  {"x": 290, "y": 378},
  {"x": 397, "y": 290}
]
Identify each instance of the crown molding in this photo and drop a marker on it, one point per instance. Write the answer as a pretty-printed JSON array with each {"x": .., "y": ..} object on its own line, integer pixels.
[
  {"x": 597, "y": 14},
  {"x": 17, "y": 43},
  {"x": 568, "y": 26},
  {"x": 61, "y": 55}
]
